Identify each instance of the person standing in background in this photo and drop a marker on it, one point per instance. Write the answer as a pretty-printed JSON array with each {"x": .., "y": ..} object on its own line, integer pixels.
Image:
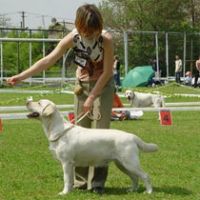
[
  {"x": 196, "y": 72},
  {"x": 178, "y": 68},
  {"x": 116, "y": 72}
]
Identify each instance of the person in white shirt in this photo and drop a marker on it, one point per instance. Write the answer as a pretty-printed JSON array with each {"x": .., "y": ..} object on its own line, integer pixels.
[
  {"x": 94, "y": 56},
  {"x": 178, "y": 68}
]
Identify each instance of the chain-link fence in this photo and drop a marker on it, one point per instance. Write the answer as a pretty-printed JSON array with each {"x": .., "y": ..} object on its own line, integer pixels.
[
  {"x": 134, "y": 48},
  {"x": 137, "y": 48}
]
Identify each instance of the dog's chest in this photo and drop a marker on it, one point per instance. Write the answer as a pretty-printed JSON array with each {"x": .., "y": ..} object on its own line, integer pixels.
[
  {"x": 52, "y": 149},
  {"x": 90, "y": 161}
]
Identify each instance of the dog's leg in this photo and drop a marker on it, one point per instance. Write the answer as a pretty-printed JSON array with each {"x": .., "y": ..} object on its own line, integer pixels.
[
  {"x": 133, "y": 168},
  {"x": 133, "y": 177},
  {"x": 135, "y": 184},
  {"x": 144, "y": 176},
  {"x": 68, "y": 178}
]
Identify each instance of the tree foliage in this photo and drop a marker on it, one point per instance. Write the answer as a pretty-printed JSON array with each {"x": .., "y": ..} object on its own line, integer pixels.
[
  {"x": 16, "y": 54},
  {"x": 124, "y": 16},
  {"x": 156, "y": 15},
  {"x": 150, "y": 15},
  {"x": 4, "y": 21}
]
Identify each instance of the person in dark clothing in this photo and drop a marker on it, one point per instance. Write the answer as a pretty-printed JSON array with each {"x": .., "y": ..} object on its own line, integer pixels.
[
  {"x": 196, "y": 72},
  {"x": 116, "y": 72}
]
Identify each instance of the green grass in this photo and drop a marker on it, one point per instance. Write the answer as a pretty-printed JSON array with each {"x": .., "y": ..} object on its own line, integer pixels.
[
  {"x": 29, "y": 172},
  {"x": 14, "y": 99}
]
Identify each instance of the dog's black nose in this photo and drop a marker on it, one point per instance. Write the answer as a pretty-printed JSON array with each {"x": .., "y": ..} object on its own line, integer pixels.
[{"x": 33, "y": 115}]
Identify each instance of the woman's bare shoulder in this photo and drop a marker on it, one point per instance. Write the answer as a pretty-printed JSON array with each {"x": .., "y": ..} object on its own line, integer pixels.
[{"x": 67, "y": 41}]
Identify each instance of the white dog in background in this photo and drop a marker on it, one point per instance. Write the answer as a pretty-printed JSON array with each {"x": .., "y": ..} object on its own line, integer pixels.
[
  {"x": 77, "y": 146},
  {"x": 138, "y": 99}
]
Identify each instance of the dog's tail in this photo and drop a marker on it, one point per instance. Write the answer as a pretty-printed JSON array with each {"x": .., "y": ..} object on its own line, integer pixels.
[{"x": 146, "y": 147}]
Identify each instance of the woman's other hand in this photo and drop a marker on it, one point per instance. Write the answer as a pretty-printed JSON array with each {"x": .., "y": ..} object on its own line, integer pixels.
[{"x": 87, "y": 106}]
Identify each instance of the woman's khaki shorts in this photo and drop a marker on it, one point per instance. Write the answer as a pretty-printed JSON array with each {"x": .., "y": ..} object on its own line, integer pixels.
[{"x": 105, "y": 108}]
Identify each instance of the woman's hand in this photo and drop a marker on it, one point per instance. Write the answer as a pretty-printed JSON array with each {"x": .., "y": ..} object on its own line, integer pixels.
[
  {"x": 87, "y": 106},
  {"x": 14, "y": 80}
]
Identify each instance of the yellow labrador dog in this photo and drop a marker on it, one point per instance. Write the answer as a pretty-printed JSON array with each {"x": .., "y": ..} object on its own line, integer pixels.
[
  {"x": 77, "y": 146},
  {"x": 139, "y": 99}
]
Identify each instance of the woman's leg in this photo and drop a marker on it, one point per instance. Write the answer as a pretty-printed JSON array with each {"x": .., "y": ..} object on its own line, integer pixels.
[
  {"x": 106, "y": 102},
  {"x": 81, "y": 173}
]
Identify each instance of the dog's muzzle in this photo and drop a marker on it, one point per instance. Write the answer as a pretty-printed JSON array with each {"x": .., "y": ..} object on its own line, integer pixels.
[
  {"x": 33, "y": 115},
  {"x": 129, "y": 98}
]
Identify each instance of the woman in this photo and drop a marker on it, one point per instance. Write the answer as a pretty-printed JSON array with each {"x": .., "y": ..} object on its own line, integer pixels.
[{"x": 94, "y": 86}]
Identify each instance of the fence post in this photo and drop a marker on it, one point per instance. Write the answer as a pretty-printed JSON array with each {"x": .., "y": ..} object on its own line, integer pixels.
[
  {"x": 63, "y": 70},
  {"x": 167, "y": 54},
  {"x": 30, "y": 59},
  {"x": 157, "y": 56},
  {"x": 126, "y": 52},
  {"x": 44, "y": 52},
  {"x": 1, "y": 47},
  {"x": 184, "y": 52}
]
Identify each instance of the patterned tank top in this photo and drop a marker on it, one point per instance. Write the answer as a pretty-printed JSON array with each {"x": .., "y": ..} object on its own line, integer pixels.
[{"x": 88, "y": 56}]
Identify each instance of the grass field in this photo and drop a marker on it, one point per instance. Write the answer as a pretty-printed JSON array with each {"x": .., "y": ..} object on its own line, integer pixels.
[{"x": 28, "y": 171}]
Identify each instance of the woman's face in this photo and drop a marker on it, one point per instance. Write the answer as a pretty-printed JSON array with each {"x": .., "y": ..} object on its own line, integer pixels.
[{"x": 89, "y": 35}]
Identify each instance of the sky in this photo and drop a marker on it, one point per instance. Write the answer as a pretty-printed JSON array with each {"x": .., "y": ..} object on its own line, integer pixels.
[{"x": 38, "y": 13}]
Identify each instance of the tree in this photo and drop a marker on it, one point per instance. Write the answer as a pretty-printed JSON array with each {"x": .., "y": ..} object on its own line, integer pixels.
[
  {"x": 4, "y": 21},
  {"x": 16, "y": 55},
  {"x": 150, "y": 15}
]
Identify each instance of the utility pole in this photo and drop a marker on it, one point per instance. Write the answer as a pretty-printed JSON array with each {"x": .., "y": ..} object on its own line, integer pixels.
[
  {"x": 23, "y": 20},
  {"x": 43, "y": 21}
]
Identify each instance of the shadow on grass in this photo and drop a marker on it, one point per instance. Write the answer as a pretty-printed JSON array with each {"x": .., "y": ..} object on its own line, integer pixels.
[
  {"x": 172, "y": 190},
  {"x": 116, "y": 190}
]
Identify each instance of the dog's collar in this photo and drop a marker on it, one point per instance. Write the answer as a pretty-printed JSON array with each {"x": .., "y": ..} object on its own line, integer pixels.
[
  {"x": 83, "y": 115},
  {"x": 61, "y": 134}
]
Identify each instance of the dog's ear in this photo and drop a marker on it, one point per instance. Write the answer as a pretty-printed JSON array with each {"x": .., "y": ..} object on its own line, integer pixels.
[{"x": 48, "y": 110}]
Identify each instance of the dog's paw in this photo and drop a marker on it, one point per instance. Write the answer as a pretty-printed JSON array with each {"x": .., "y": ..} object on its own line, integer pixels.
[
  {"x": 62, "y": 193},
  {"x": 148, "y": 191}
]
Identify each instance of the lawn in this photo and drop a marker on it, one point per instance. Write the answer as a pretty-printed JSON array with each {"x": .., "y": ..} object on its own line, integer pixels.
[{"x": 29, "y": 172}]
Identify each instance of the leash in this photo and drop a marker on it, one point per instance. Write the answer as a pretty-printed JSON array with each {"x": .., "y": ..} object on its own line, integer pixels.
[
  {"x": 94, "y": 114},
  {"x": 80, "y": 117}
]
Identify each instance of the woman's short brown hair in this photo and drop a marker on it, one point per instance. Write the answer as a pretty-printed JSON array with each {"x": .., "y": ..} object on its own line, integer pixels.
[{"x": 88, "y": 19}]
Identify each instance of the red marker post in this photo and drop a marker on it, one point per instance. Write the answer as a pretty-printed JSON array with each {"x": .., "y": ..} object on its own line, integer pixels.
[{"x": 165, "y": 117}]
